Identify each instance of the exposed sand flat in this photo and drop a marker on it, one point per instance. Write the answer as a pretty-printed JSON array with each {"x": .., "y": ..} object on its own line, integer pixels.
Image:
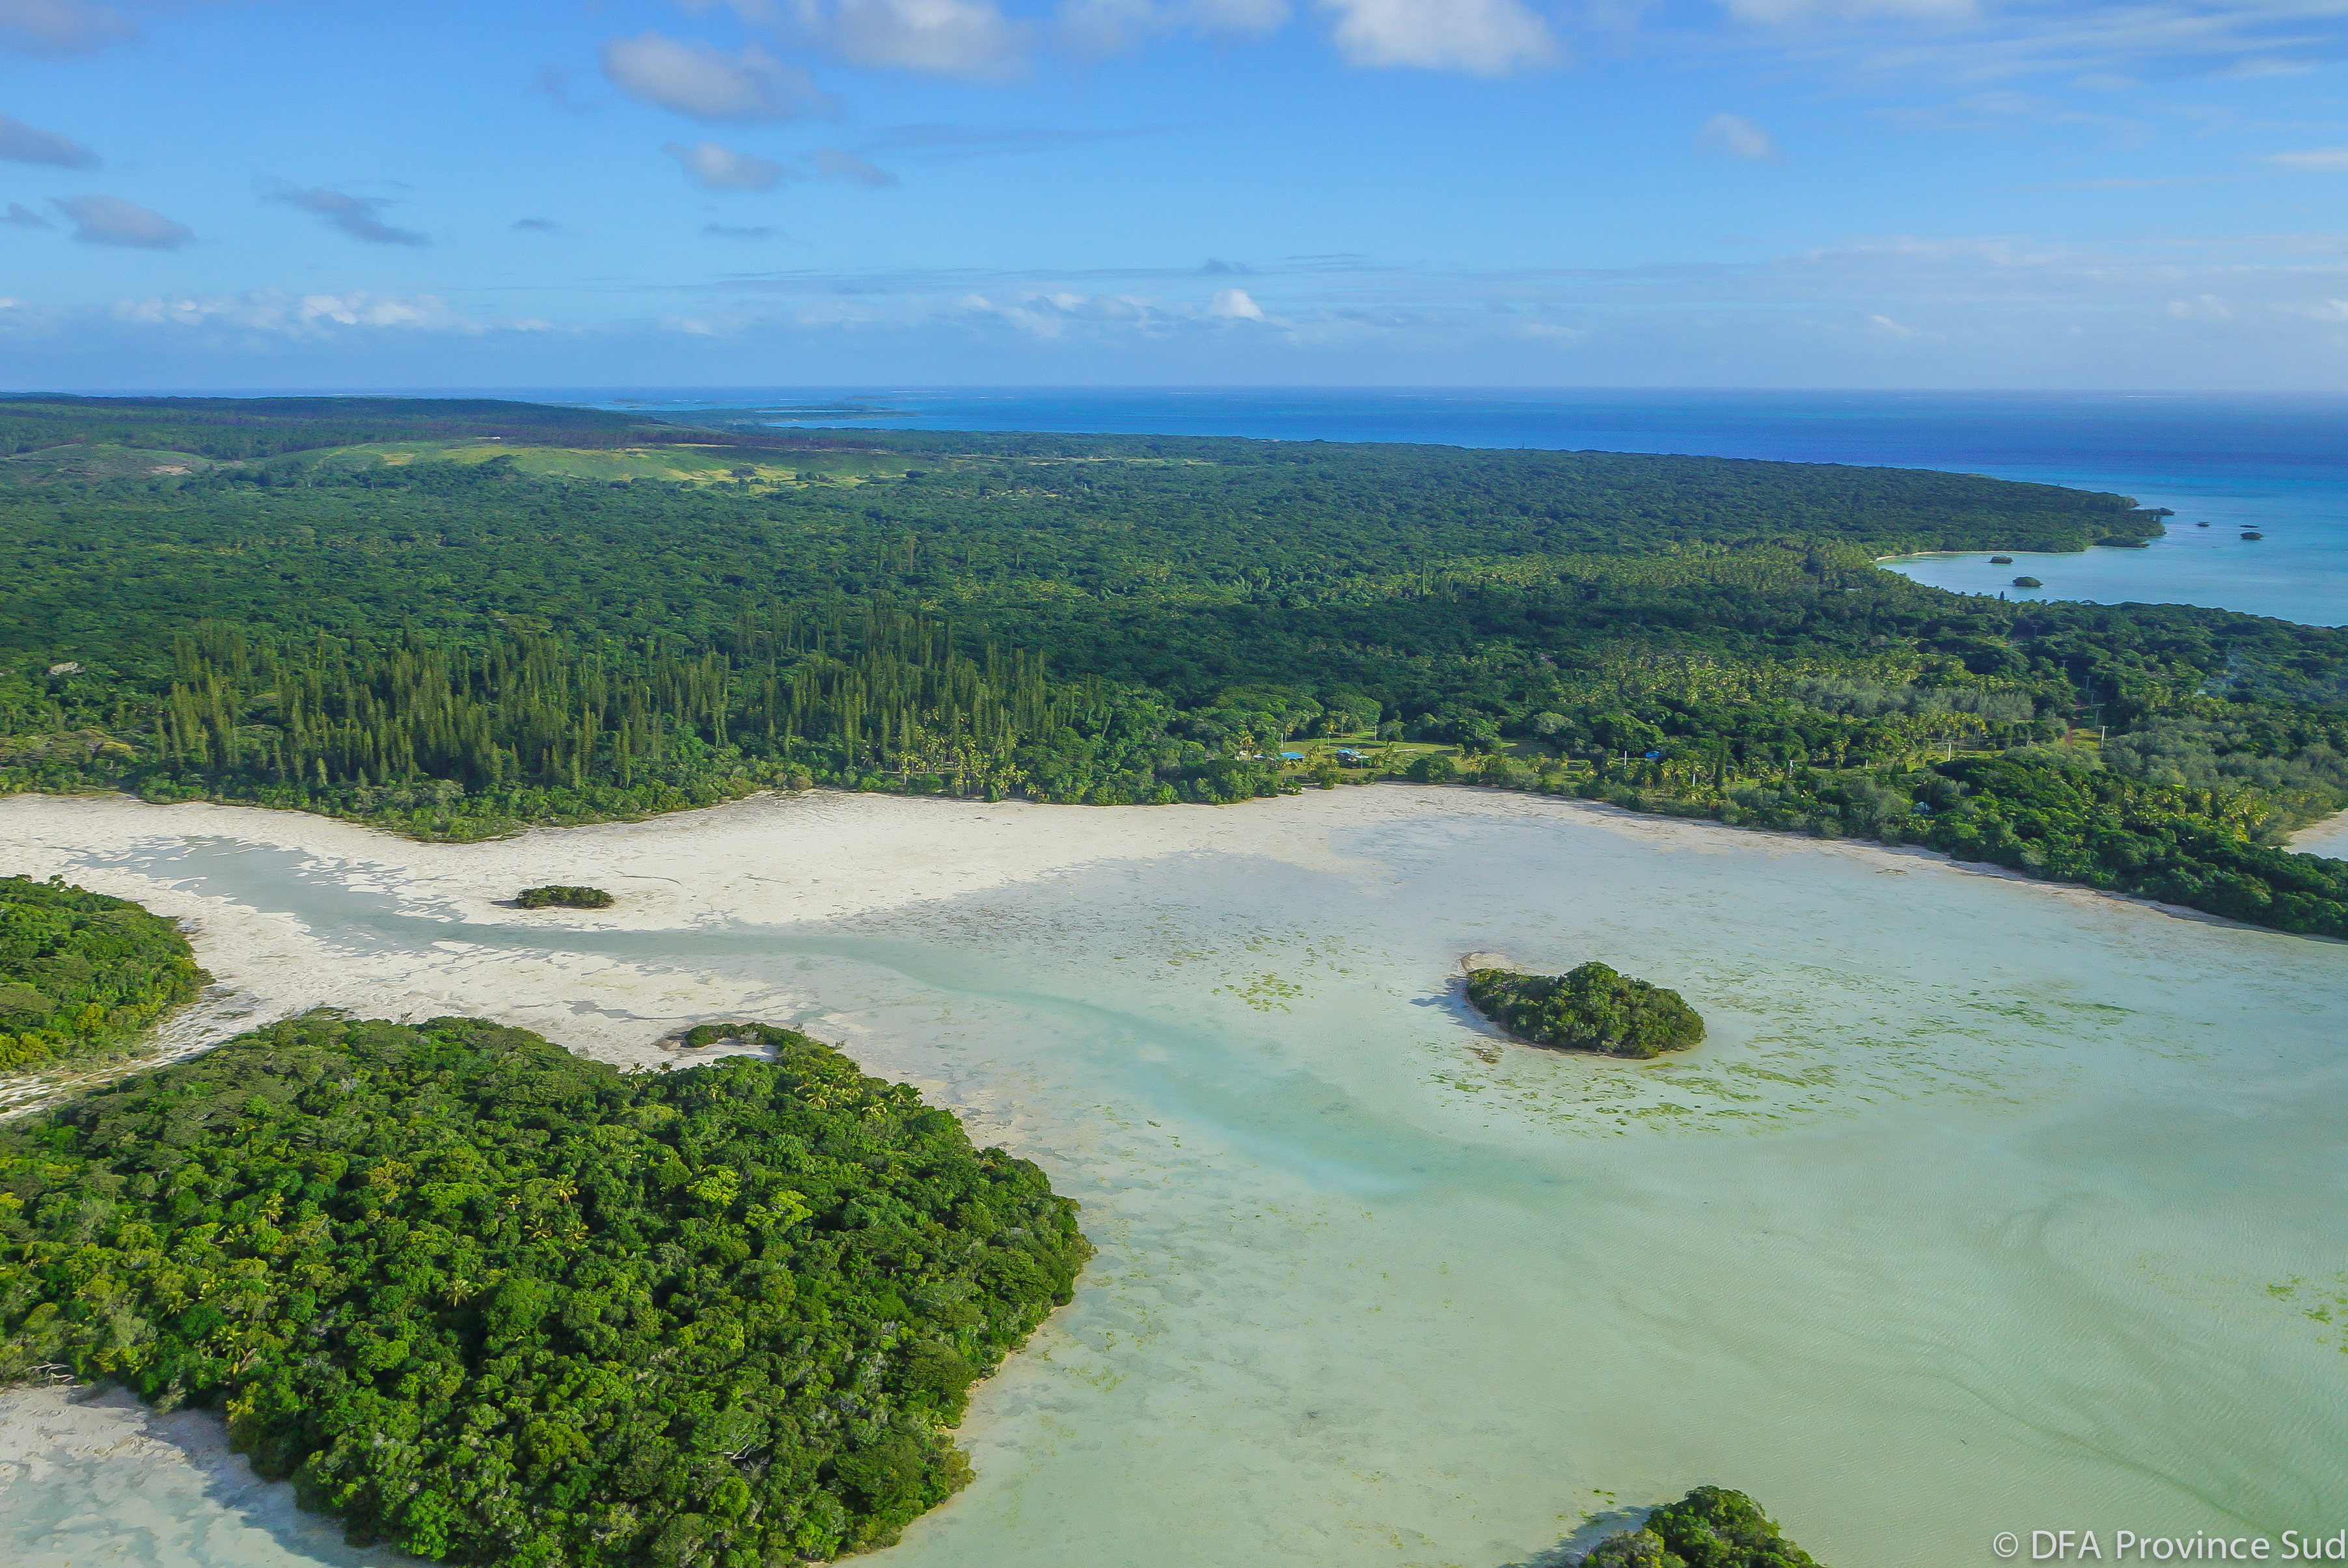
[
  {"x": 770, "y": 860},
  {"x": 1986, "y": 1204},
  {"x": 2328, "y": 837}
]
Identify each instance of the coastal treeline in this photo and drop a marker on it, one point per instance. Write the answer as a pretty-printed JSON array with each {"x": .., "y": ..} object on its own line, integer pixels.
[
  {"x": 494, "y": 1304},
  {"x": 455, "y": 649},
  {"x": 81, "y": 972}
]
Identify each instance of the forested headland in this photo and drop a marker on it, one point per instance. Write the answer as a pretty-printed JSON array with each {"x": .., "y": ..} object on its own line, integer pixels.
[
  {"x": 438, "y": 617},
  {"x": 494, "y": 1304},
  {"x": 81, "y": 972}
]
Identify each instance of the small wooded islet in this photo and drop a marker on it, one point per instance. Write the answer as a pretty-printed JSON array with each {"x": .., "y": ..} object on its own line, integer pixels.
[
  {"x": 1711, "y": 1527},
  {"x": 1589, "y": 1007}
]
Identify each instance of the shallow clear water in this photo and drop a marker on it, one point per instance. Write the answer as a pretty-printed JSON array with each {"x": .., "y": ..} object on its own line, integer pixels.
[
  {"x": 1984, "y": 1208},
  {"x": 2275, "y": 463}
]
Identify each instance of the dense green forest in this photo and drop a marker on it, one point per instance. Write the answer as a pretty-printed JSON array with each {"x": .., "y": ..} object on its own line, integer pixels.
[
  {"x": 455, "y": 647},
  {"x": 82, "y": 972},
  {"x": 1591, "y": 1007},
  {"x": 1711, "y": 1527},
  {"x": 498, "y": 1305}
]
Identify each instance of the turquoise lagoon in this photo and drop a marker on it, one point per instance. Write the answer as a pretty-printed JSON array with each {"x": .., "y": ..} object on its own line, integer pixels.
[{"x": 1987, "y": 1206}]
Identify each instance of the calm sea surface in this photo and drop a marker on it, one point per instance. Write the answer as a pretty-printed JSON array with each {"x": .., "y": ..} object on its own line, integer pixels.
[{"x": 2272, "y": 464}]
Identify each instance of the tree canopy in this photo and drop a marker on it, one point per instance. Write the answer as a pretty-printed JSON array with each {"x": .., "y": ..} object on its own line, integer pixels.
[
  {"x": 1588, "y": 1008},
  {"x": 80, "y": 971},
  {"x": 498, "y": 1305},
  {"x": 455, "y": 648}
]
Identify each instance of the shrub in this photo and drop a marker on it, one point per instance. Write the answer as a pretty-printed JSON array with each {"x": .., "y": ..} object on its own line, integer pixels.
[{"x": 557, "y": 897}]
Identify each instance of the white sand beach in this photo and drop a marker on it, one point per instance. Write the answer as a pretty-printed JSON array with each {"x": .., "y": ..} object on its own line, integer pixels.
[{"x": 1983, "y": 1200}]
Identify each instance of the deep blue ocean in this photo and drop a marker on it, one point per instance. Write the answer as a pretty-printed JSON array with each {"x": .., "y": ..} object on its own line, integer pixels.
[{"x": 2272, "y": 464}]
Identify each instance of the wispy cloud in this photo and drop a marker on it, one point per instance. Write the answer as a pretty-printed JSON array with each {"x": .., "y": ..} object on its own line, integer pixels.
[
  {"x": 717, "y": 168},
  {"x": 21, "y": 143},
  {"x": 2314, "y": 160},
  {"x": 110, "y": 220},
  {"x": 1734, "y": 136},
  {"x": 60, "y": 26},
  {"x": 538, "y": 225},
  {"x": 355, "y": 216},
  {"x": 744, "y": 87},
  {"x": 20, "y": 215},
  {"x": 741, "y": 231},
  {"x": 833, "y": 163},
  {"x": 2117, "y": 41}
]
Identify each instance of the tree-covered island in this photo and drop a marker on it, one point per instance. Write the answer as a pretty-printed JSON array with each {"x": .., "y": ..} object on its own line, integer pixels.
[
  {"x": 1711, "y": 1527},
  {"x": 497, "y": 1305},
  {"x": 81, "y": 972},
  {"x": 368, "y": 606},
  {"x": 1589, "y": 1007}
]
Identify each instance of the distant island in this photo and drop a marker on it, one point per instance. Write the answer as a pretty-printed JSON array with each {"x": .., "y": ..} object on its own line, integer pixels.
[
  {"x": 557, "y": 897},
  {"x": 1711, "y": 1527},
  {"x": 1589, "y": 1007}
]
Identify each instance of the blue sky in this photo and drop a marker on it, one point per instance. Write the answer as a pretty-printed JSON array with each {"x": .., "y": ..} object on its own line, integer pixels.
[{"x": 1924, "y": 193}]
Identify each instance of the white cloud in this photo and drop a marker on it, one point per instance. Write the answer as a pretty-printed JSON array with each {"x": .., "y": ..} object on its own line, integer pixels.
[
  {"x": 835, "y": 163},
  {"x": 1734, "y": 136},
  {"x": 1234, "y": 306},
  {"x": 715, "y": 167},
  {"x": 21, "y": 143},
  {"x": 110, "y": 220},
  {"x": 2314, "y": 160},
  {"x": 59, "y": 27},
  {"x": 1482, "y": 37},
  {"x": 282, "y": 315},
  {"x": 969, "y": 39},
  {"x": 744, "y": 87}
]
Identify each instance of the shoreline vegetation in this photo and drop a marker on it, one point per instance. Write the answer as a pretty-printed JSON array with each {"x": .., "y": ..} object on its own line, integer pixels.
[
  {"x": 494, "y": 1303},
  {"x": 369, "y": 609}
]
